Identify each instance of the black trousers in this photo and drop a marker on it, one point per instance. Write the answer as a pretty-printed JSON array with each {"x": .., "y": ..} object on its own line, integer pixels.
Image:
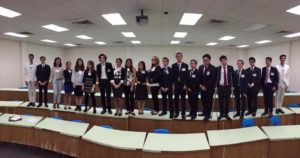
[
  {"x": 207, "y": 101},
  {"x": 86, "y": 97},
  {"x": 43, "y": 89},
  {"x": 154, "y": 94},
  {"x": 252, "y": 98},
  {"x": 167, "y": 98},
  {"x": 182, "y": 93},
  {"x": 268, "y": 97},
  {"x": 105, "y": 91},
  {"x": 240, "y": 101},
  {"x": 193, "y": 101},
  {"x": 224, "y": 99},
  {"x": 129, "y": 98}
]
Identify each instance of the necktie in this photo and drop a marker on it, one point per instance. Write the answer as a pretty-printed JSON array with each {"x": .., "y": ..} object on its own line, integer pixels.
[
  {"x": 225, "y": 77},
  {"x": 239, "y": 71},
  {"x": 204, "y": 69},
  {"x": 267, "y": 75},
  {"x": 191, "y": 73}
]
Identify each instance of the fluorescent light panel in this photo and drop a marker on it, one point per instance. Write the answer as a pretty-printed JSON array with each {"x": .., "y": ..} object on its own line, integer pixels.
[
  {"x": 114, "y": 19},
  {"x": 85, "y": 37},
  {"x": 293, "y": 35},
  {"x": 48, "y": 41},
  {"x": 226, "y": 38},
  {"x": 136, "y": 42},
  {"x": 180, "y": 34},
  {"x": 100, "y": 43},
  {"x": 70, "y": 44},
  {"x": 16, "y": 34},
  {"x": 190, "y": 18},
  {"x": 243, "y": 46},
  {"x": 55, "y": 28},
  {"x": 254, "y": 27},
  {"x": 263, "y": 41},
  {"x": 174, "y": 42},
  {"x": 211, "y": 43},
  {"x": 294, "y": 10},
  {"x": 128, "y": 34},
  {"x": 8, "y": 13}
]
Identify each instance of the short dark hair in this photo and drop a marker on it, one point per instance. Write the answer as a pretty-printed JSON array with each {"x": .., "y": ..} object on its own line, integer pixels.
[
  {"x": 42, "y": 57},
  {"x": 120, "y": 60},
  {"x": 30, "y": 55},
  {"x": 252, "y": 58},
  {"x": 193, "y": 60},
  {"x": 68, "y": 62},
  {"x": 269, "y": 58},
  {"x": 240, "y": 60},
  {"x": 282, "y": 55},
  {"x": 223, "y": 57},
  {"x": 206, "y": 56},
  {"x": 54, "y": 62},
  {"x": 100, "y": 55},
  {"x": 165, "y": 58},
  {"x": 178, "y": 53}
]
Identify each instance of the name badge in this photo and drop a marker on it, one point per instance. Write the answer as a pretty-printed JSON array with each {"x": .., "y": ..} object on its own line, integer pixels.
[
  {"x": 80, "y": 72},
  {"x": 254, "y": 75},
  {"x": 57, "y": 70},
  {"x": 272, "y": 73},
  {"x": 183, "y": 69},
  {"x": 70, "y": 71},
  {"x": 108, "y": 70},
  {"x": 89, "y": 74},
  {"x": 242, "y": 76},
  {"x": 143, "y": 72},
  {"x": 167, "y": 72},
  {"x": 193, "y": 76},
  {"x": 153, "y": 69},
  {"x": 207, "y": 73}
]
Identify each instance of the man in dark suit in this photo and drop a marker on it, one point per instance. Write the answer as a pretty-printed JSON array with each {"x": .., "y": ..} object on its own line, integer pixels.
[
  {"x": 253, "y": 85},
  {"x": 208, "y": 76},
  {"x": 269, "y": 81},
  {"x": 42, "y": 76},
  {"x": 224, "y": 86},
  {"x": 240, "y": 89},
  {"x": 166, "y": 88},
  {"x": 105, "y": 74},
  {"x": 180, "y": 70},
  {"x": 192, "y": 83}
]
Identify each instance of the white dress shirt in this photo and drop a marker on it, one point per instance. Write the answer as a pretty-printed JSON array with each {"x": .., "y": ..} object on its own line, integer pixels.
[
  {"x": 222, "y": 75},
  {"x": 30, "y": 70},
  {"x": 77, "y": 77},
  {"x": 103, "y": 71},
  {"x": 268, "y": 79},
  {"x": 284, "y": 74}
]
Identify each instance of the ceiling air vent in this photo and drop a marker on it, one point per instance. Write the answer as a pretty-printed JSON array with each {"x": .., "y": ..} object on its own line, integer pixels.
[
  {"x": 217, "y": 22},
  {"x": 231, "y": 45},
  {"x": 284, "y": 32},
  {"x": 118, "y": 42},
  {"x": 189, "y": 42},
  {"x": 83, "y": 22},
  {"x": 26, "y": 33}
]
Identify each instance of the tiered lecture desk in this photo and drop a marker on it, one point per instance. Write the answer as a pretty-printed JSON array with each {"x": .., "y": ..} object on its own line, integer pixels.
[
  {"x": 176, "y": 146},
  {"x": 297, "y": 111},
  {"x": 284, "y": 141},
  {"x": 9, "y": 106},
  {"x": 248, "y": 142},
  {"x": 288, "y": 118},
  {"x": 60, "y": 136},
  {"x": 19, "y": 132},
  {"x": 236, "y": 122},
  {"x": 101, "y": 142}
]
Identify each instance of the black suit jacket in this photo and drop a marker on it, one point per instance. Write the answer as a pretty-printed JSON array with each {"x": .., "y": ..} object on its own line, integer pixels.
[
  {"x": 254, "y": 76},
  {"x": 43, "y": 74},
  {"x": 166, "y": 80},
  {"x": 240, "y": 82},
  {"x": 155, "y": 76},
  {"x": 193, "y": 80},
  {"x": 180, "y": 74},
  {"x": 230, "y": 78},
  {"x": 273, "y": 76},
  {"x": 208, "y": 77},
  {"x": 108, "y": 69}
]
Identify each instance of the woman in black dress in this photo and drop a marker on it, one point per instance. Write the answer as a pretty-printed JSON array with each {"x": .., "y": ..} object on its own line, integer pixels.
[
  {"x": 129, "y": 84},
  {"x": 117, "y": 85},
  {"x": 89, "y": 82},
  {"x": 141, "y": 92},
  {"x": 154, "y": 80}
]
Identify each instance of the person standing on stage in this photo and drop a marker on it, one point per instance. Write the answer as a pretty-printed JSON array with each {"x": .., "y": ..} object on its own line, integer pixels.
[
  {"x": 208, "y": 76},
  {"x": 240, "y": 89},
  {"x": 105, "y": 75},
  {"x": 180, "y": 70},
  {"x": 166, "y": 88},
  {"x": 224, "y": 86},
  {"x": 43, "y": 71},
  {"x": 30, "y": 79},
  {"x": 89, "y": 83},
  {"x": 57, "y": 75},
  {"x": 192, "y": 84},
  {"x": 129, "y": 84},
  {"x": 269, "y": 82},
  {"x": 141, "y": 91},
  {"x": 253, "y": 85},
  {"x": 77, "y": 78},
  {"x": 154, "y": 80},
  {"x": 284, "y": 80}
]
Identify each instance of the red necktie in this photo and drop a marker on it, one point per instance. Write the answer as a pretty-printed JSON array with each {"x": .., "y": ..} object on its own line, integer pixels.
[{"x": 225, "y": 78}]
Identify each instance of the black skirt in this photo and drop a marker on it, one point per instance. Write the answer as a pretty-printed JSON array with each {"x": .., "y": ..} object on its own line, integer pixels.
[
  {"x": 141, "y": 92},
  {"x": 118, "y": 92},
  {"x": 78, "y": 91}
]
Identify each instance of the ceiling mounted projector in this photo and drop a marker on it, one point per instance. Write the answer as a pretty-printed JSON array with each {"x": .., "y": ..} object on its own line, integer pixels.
[{"x": 142, "y": 19}]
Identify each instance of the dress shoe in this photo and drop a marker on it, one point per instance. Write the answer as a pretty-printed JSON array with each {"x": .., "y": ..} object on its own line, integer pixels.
[
  {"x": 248, "y": 113},
  {"x": 253, "y": 114},
  {"x": 201, "y": 114},
  {"x": 162, "y": 114},
  {"x": 281, "y": 111},
  {"x": 46, "y": 105},
  {"x": 103, "y": 111},
  {"x": 193, "y": 117},
  {"x": 236, "y": 115},
  {"x": 228, "y": 118},
  {"x": 220, "y": 117},
  {"x": 206, "y": 119},
  {"x": 176, "y": 115},
  {"x": 264, "y": 113},
  {"x": 109, "y": 111},
  {"x": 39, "y": 105}
]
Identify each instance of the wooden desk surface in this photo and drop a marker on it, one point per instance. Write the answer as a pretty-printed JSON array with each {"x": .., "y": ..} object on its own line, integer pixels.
[
  {"x": 289, "y": 132},
  {"x": 27, "y": 121},
  {"x": 10, "y": 103}
]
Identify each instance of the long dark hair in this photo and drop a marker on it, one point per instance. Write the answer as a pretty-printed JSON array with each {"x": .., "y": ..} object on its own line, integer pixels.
[
  {"x": 77, "y": 67},
  {"x": 131, "y": 66},
  {"x": 92, "y": 64},
  {"x": 144, "y": 65},
  {"x": 54, "y": 63}
]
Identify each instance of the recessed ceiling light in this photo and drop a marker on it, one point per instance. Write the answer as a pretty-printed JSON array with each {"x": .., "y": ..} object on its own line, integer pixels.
[
  {"x": 174, "y": 42},
  {"x": 129, "y": 34},
  {"x": 8, "y": 13},
  {"x": 211, "y": 43},
  {"x": 293, "y": 35},
  {"x": 294, "y": 10},
  {"x": 55, "y": 28},
  {"x": 114, "y": 19},
  {"x": 254, "y": 27},
  {"x": 263, "y": 41},
  {"x": 16, "y": 34},
  {"x": 85, "y": 37},
  {"x": 243, "y": 46},
  {"x": 190, "y": 18},
  {"x": 70, "y": 44},
  {"x": 48, "y": 41},
  {"x": 226, "y": 38},
  {"x": 100, "y": 42},
  {"x": 180, "y": 34},
  {"x": 136, "y": 42}
]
